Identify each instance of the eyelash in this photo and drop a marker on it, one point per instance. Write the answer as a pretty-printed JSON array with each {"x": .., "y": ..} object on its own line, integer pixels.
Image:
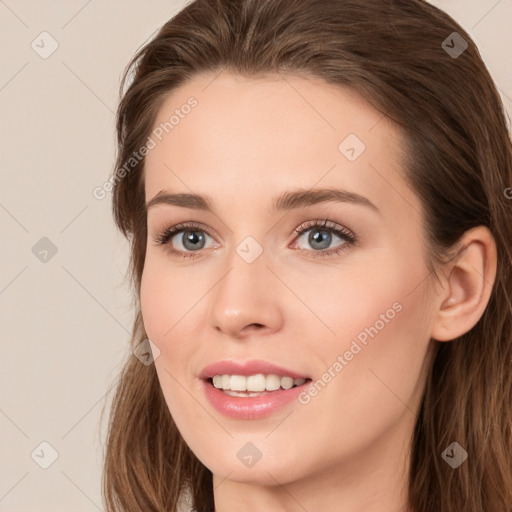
[{"x": 348, "y": 236}]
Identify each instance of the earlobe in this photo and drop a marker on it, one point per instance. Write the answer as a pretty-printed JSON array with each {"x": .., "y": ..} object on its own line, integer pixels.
[{"x": 468, "y": 285}]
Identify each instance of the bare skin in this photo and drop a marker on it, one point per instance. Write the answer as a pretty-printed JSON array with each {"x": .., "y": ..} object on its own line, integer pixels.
[{"x": 246, "y": 142}]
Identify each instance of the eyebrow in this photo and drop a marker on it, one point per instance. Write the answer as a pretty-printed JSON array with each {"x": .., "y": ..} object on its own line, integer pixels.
[{"x": 287, "y": 201}]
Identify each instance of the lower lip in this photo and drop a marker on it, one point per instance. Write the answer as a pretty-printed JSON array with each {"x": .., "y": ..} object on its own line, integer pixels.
[{"x": 251, "y": 408}]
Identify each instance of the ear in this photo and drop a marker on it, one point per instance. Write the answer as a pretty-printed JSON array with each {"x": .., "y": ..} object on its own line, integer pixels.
[{"x": 467, "y": 286}]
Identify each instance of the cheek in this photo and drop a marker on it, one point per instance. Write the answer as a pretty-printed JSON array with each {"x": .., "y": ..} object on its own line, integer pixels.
[
  {"x": 169, "y": 299},
  {"x": 381, "y": 320},
  {"x": 380, "y": 376},
  {"x": 357, "y": 302},
  {"x": 384, "y": 293},
  {"x": 153, "y": 304},
  {"x": 383, "y": 337}
]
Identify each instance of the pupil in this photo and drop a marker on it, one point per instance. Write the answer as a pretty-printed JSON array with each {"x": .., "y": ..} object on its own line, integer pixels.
[
  {"x": 320, "y": 238},
  {"x": 192, "y": 237}
]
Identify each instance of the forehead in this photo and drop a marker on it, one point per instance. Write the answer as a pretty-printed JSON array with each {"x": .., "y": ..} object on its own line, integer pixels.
[{"x": 223, "y": 134}]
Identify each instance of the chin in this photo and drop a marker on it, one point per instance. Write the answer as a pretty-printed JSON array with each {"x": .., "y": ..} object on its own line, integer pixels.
[{"x": 269, "y": 470}]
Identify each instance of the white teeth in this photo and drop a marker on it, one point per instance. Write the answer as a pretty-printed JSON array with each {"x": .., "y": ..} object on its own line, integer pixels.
[
  {"x": 286, "y": 382},
  {"x": 238, "y": 383},
  {"x": 225, "y": 381},
  {"x": 254, "y": 383},
  {"x": 273, "y": 383}
]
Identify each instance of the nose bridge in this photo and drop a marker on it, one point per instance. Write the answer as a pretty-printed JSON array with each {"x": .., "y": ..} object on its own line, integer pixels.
[{"x": 245, "y": 295}]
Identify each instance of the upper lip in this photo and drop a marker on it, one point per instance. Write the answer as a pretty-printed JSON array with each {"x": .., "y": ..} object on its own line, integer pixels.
[{"x": 247, "y": 368}]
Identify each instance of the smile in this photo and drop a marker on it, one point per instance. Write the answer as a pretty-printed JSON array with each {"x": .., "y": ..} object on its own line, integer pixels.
[
  {"x": 254, "y": 385},
  {"x": 252, "y": 405}
]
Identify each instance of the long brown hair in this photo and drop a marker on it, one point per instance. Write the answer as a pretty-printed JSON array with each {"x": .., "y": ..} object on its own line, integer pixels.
[{"x": 398, "y": 55}]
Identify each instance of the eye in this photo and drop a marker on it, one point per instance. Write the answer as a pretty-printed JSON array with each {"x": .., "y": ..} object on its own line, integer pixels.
[
  {"x": 193, "y": 237},
  {"x": 320, "y": 237}
]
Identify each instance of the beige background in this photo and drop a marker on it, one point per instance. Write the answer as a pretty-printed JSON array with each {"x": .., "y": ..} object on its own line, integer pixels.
[{"x": 66, "y": 322}]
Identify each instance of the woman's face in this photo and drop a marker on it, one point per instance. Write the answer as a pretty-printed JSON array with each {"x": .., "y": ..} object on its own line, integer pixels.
[{"x": 349, "y": 309}]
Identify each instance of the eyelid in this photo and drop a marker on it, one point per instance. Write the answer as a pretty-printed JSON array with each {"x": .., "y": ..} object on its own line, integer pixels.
[
  {"x": 179, "y": 227},
  {"x": 347, "y": 235}
]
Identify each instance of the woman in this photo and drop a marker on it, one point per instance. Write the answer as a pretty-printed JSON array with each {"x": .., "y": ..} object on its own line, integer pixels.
[{"x": 315, "y": 194}]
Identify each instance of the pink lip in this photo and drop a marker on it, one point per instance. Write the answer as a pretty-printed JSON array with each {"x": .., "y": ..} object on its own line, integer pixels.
[
  {"x": 249, "y": 368},
  {"x": 255, "y": 407},
  {"x": 250, "y": 408}
]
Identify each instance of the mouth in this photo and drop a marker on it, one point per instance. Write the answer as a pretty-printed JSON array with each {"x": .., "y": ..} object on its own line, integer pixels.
[
  {"x": 252, "y": 397},
  {"x": 252, "y": 389},
  {"x": 255, "y": 385}
]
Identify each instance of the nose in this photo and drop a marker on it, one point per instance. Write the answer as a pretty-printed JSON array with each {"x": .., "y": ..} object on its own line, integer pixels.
[{"x": 247, "y": 300}]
